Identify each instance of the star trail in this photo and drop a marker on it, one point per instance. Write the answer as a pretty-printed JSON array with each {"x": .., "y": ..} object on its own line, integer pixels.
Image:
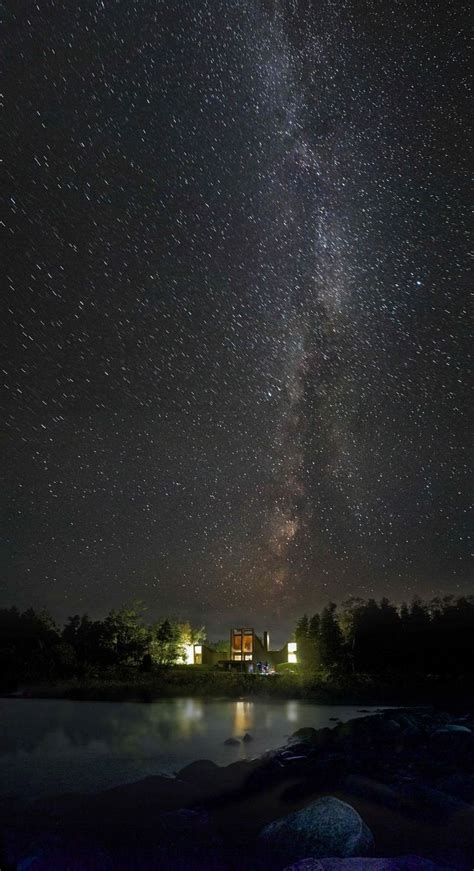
[{"x": 236, "y": 329}]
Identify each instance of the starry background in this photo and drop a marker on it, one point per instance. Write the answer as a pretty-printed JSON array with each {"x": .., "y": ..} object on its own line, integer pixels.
[{"x": 236, "y": 325}]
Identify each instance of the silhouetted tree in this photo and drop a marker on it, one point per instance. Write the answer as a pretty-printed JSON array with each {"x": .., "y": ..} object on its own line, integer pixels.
[
  {"x": 314, "y": 642},
  {"x": 302, "y": 641},
  {"x": 27, "y": 643},
  {"x": 165, "y": 644},
  {"x": 128, "y": 638},
  {"x": 416, "y": 637},
  {"x": 331, "y": 648},
  {"x": 93, "y": 642},
  {"x": 349, "y": 621}
]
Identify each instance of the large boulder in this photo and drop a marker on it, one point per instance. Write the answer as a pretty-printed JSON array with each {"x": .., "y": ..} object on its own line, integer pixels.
[
  {"x": 51, "y": 851},
  {"x": 433, "y": 804},
  {"x": 327, "y": 827},
  {"x": 453, "y": 743},
  {"x": 398, "y": 863},
  {"x": 460, "y": 785},
  {"x": 184, "y": 839}
]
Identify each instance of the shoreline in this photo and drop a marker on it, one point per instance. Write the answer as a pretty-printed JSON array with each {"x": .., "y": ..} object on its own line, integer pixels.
[
  {"x": 456, "y": 698},
  {"x": 408, "y": 775}
]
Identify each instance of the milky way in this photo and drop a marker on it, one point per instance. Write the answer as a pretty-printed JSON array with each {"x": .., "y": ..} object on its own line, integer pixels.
[{"x": 236, "y": 317}]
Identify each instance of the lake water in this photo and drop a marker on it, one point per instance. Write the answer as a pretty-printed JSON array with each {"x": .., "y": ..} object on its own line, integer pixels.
[{"x": 51, "y": 746}]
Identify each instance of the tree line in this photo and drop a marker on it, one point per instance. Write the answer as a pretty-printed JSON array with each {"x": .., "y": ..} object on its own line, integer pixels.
[
  {"x": 357, "y": 637},
  {"x": 33, "y": 646},
  {"x": 379, "y": 638}
]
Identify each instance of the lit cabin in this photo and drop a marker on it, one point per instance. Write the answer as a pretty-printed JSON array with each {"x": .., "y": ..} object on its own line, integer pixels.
[
  {"x": 245, "y": 646},
  {"x": 199, "y": 654}
]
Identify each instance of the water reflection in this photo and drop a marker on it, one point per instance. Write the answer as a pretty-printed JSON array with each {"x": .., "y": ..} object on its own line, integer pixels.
[
  {"x": 292, "y": 711},
  {"x": 49, "y": 746},
  {"x": 243, "y": 718}
]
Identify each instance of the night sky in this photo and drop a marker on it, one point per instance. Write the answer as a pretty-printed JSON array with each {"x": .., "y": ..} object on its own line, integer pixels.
[{"x": 236, "y": 332}]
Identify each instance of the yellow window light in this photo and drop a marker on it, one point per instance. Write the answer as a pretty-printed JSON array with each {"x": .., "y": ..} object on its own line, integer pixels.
[{"x": 189, "y": 654}]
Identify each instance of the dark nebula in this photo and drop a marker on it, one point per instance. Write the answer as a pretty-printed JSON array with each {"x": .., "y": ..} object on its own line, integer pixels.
[{"x": 235, "y": 325}]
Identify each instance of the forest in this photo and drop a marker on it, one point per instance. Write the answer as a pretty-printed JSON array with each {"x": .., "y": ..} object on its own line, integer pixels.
[
  {"x": 377, "y": 639},
  {"x": 33, "y": 647},
  {"x": 433, "y": 638}
]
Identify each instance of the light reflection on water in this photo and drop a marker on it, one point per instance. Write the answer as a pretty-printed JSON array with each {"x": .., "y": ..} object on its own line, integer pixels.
[
  {"x": 48, "y": 746},
  {"x": 243, "y": 718}
]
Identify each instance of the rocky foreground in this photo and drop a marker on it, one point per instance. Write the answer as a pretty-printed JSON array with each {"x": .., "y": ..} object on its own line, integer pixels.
[{"x": 391, "y": 792}]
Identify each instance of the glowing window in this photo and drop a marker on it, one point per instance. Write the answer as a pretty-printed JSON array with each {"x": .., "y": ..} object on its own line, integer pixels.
[
  {"x": 189, "y": 654},
  {"x": 248, "y": 643}
]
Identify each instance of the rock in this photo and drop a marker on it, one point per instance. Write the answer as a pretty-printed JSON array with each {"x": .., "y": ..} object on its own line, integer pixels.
[
  {"x": 132, "y": 801},
  {"x": 214, "y": 780},
  {"x": 323, "y": 774},
  {"x": 379, "y": 793},
  {"x": 236, "y": 776},
  {"x": 459, "y": 785},
  {"x": 412, "y": 734},
  {"x": 391, "y": 726},
  {"x": 307, "y": 733},
  {"x": 452, "y": 728},
  {"x": 306, "y": 865},
  {"x": 328, "y": 826},
  {"x": 297, "y": 748},
  {"x": 247, "y": 737},
  {"x": 404, "y": 721},
  {"x": 399, "y": 863},
  {"x": 432, "y": 804},
  {"x": 295, "y": 765},
  {"x": 185, "y": 839},
  {"x": 376, "y": 727},
  {"x": 52, "y": 853},
  {"x": 231, "y": 742},
  {"x": 453, "y": 745},
  {"x": 290, "y": 758},
  {"x": 198, "y": 771},
  {"x": 325, "y": 737}
]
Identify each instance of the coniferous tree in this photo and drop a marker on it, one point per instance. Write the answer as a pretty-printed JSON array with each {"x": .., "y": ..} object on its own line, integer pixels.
[
  {"x": 330, "y": 639},
  {"x": 301, "y": 638},
  {"x": 349, "y": 621},
  {"x": 314, "y": 642}
]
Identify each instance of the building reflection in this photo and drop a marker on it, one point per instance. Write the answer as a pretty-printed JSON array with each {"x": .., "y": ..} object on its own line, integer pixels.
[
  {"x": 243, "y": 717},
  {"x": 292, "y": 711}
]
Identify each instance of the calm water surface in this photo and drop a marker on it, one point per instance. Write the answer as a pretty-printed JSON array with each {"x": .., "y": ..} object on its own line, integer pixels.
[{"x": 50, "y": 746}]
